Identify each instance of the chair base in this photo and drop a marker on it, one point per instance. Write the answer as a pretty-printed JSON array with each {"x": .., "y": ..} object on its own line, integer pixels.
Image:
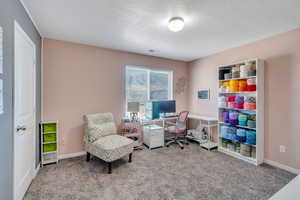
[
  {"x": 178, "y": 141},
  {"x": 88, "y": 158},
  {"x": 110, "y": 164},
  {"x": 109, "y": 167}
]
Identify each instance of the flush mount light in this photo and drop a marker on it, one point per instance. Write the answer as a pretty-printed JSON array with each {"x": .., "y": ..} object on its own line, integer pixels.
[{"x": 176, "y": 24}]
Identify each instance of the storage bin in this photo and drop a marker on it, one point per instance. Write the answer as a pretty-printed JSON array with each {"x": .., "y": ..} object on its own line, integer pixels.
[
  {"x": 222, "y": 72},
  {"x": 222, "y": 89},
  {"x": 251, "y": 137},
  {"x": 239, "y": 99},
  {"x": 234, "y": 85},
  {"x": 239, "y": 105},
  {"x": 49, "y": 128},
  {"x": 233, "y": 115},
  {"x": 51, "y": 137},
  {"x": 233, "y": 122},
  {"x": 253, "y": 152},
  {"x": 251, "y": 81},
  {"x": 231, "y": 99},
  {"x": 227, "y": 76},
  {"x": 49, "y": 147},
  {"x": 231, "y": 147},
  {"x": 225, "y": 143},
  {"x": 230, "y": 104},
  {"x": 251, "y": 123},
  {"x": 250, "y": 99},
  {"x": 241, "y": 135},
  {"x": 242, "y": 85},
  {"x": 250, "y": 106},
  {"x": 245, "y": 147},
  {"x": 243, "y": 119},
  {"x": 50, "y": 156},
  {"x": 252, "y": 117},
  {"x": 243, "y": 123},
  {"x": 236, "y": 74},
  {"x": 245, "y": 150},
  {"x": 238, "y": 147},
  {"x": 231, "y": 130},
  {"x": 226, "y": 116},
  {"x": 246, "y": 153},
  {"x": 236, "y": 68},
  {"x": 222, "y": 104},
  {"x": 251, "y": 88},
  {"x": 252, "y": 72},
  {"x": 243, "y": 74},
  {"x": 222, "y": 99},
  {"x": 245, "y": 68},
  {"x": 224, "y": 132}
]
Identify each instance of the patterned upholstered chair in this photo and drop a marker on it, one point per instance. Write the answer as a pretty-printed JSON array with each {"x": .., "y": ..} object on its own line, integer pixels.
[{"x": 102, "y": 141}]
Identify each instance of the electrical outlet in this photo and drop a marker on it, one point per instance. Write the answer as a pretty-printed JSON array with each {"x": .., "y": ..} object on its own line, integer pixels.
[{"x": 282, "y": 149}]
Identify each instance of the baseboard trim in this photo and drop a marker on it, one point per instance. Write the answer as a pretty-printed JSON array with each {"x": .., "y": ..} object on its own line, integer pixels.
[
  {"x": 282, "y": 166},
  {"x": 36, "y": 170},
  {"x": 71, "y": 155}
]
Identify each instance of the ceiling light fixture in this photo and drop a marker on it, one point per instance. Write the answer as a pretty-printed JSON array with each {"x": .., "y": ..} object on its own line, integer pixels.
[{"x": 176, "y": 24}]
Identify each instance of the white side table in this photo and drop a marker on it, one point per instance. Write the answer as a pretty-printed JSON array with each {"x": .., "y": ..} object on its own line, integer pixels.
[
  {"x": 153, "y": 136},
  {"x": 209, "y": 123}
]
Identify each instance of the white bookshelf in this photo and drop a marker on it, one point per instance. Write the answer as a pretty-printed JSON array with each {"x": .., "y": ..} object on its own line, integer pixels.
[
  {"x": 49, "y": 142},
  {"x": 259, "y": 112}
]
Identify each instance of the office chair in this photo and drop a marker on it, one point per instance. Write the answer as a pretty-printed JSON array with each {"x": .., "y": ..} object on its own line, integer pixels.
[{"x": 176, "y": 132}]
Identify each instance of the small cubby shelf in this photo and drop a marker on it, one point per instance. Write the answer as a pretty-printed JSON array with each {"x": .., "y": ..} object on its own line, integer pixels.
[
  {"x": 257, "y": 150},
  {"x": 49, "y": 142}
]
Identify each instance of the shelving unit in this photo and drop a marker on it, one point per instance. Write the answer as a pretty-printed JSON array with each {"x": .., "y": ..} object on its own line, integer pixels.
[
  {"x": 258, "y": 148},
  {"x": 49, "y": 142}
]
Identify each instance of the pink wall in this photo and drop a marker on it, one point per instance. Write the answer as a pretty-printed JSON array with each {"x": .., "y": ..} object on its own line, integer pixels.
[
  {"x": 80, "y": 79},
  {"x": 282, "y": 90}
]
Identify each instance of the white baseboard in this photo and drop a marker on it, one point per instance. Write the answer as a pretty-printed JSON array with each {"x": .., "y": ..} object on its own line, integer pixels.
[
  {"x": 36, "y": 170},
  {"x": 71, "y": 155},
  {"x": 282, "y": 166}
]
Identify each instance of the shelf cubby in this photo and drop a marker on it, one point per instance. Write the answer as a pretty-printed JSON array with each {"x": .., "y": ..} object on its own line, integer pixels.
[{"x": 49, "y": 142}]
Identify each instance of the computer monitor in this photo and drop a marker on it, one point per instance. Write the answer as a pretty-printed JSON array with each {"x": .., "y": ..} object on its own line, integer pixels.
[{"x": 167, "y": 106}]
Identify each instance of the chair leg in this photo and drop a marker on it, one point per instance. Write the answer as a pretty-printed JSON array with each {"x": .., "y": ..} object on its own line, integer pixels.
[
  {"x": 109, "y": 168},
  {"x": 180, "y": 144},
  {"x": 88, "y": 156},
  {"x": 186, "y": 141},
  {"x": 170, "y": 142},
  {"x": 130, "y": 158}
]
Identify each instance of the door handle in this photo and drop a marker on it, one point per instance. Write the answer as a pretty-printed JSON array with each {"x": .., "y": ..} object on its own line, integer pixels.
[{"x": 21, "y": 128}]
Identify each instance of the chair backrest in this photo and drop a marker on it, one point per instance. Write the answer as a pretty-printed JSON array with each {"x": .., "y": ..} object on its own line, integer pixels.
[
  {"x": 183, "y": 115},
  {"x": 99, "y": 124},
  {"x": 181, "y": 120},
  {"x": 99, "y": 118}
]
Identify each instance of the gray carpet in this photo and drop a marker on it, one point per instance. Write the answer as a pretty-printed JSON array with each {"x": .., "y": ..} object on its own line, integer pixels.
[{"x": 164, "y": 173}]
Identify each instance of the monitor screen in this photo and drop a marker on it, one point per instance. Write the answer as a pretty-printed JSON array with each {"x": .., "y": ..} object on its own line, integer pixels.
[{"x": 167, "y": 106}]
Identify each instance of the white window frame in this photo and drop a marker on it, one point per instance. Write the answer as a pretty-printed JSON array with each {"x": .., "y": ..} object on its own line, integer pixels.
[{"x": 148, "y": 70}]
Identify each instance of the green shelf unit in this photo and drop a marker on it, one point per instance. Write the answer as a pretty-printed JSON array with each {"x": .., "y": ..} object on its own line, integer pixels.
[{"x": 49, "y": 142}]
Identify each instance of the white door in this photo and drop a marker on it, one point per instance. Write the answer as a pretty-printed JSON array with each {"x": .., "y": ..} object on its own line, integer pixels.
[{"x": 24, "y": 110}]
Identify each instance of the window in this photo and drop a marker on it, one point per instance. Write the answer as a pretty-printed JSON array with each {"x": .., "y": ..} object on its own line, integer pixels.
[{"x": 143, "y": 85}]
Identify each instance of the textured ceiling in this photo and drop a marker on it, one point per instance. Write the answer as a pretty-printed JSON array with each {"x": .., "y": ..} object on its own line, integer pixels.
[{"x": 139, "y": 25}]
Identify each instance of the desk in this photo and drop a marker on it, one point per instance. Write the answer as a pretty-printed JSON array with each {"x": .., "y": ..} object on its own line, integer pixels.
[
  {"x": 207, "y": 122},
  {"x": 160, "y": 120}
]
